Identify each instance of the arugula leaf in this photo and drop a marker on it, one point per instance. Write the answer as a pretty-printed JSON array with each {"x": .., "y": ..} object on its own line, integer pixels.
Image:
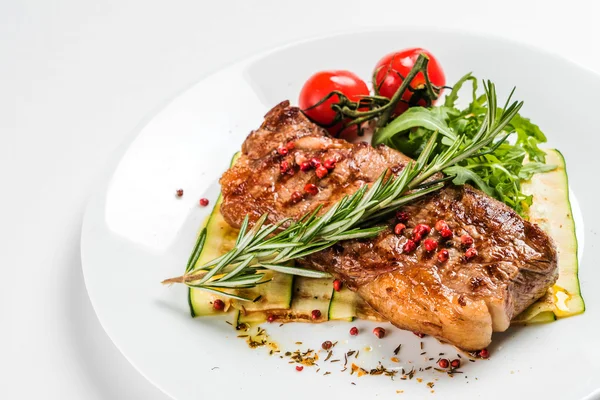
[
  {"x": 522, "y": 124},
  {"x": 503, "y": 165},
  {"x": 529, "y": 136},
  {"x": 411, "y": 118},
  {"x": 463, "y": 175},
  {"x": 532, "y": 168},
  {"x": 453, "y": 95}
]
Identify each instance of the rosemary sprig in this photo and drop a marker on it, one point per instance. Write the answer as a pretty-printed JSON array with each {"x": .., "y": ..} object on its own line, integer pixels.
[{"x": 273, "y": 246}]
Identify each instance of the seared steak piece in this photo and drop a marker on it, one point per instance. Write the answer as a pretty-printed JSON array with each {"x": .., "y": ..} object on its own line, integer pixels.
[{"x": 461, "y": 300}]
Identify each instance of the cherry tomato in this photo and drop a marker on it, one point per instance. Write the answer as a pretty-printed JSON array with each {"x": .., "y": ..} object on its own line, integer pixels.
[
  {"x": 320, "y": 85},
  {"x": 402, "y": 62}
]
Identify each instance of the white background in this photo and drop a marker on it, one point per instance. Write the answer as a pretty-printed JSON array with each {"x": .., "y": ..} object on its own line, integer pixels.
[{"x": 76, "y": 78}]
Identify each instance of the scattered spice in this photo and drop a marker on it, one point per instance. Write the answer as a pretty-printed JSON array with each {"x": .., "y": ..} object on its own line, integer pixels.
[
  {"x": 329, "y": 354},
  {"x": 421, "y": 230},
  {"x": 394, "y": 359},
  {"x": 423, "y": 353},
  {"x": 471, "y": 253},
  {"x": 402, "y": 216},
  {"x": 337, "y": 285},
  {"x": 441, "y": 225},
  {"x": 443, "y": 363},
  {"x": 359, "y": 371},
  {"x": 304, "y": 166},
  {"x": 379, "y": 332},
  {"x": 284, "y": 167},
  {"x": 179, "y": 192},
  {"x": 430, "y": 384},
  {"x": 354, "y": 331},
  {"x": 218, "y": 305},
  {"x": 381, "y": 370},
  {"x": 326, "y": 345},
  {"x": 446, "y": 233},
  {"x": 299, "y": 367},
  {"x": 256, "y": 342},
  {"x": 484, "y": 353},
  {"x": 430, "y": 244},
  {"x": 311, "y": 188},
  {"x": 399, "y": 228},
  {"x": 308, "y": 358},
  {"x": 282, "y": 151},
  {"x": 204, "y": 202},
  {"x": 466, "y": 240},
  {"x": 409, "y": 246},
  {"x": 321, "y": 171},
  {"x": 421, "y": 345},
  {"x": 455, "y": 363},
  {"x": 326, "y": 373},
  {"x": 296, "y": 196},
  {"x": 315, "y": 314},
  {"x": 443, "y": 255}
]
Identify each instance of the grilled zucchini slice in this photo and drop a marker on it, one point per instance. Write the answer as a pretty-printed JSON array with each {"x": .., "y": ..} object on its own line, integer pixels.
[{"x": 551, "y": 210}]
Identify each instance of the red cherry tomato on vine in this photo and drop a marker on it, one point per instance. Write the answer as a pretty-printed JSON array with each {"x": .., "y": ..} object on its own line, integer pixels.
[
  {"x": 320, "y": 85},
  {"x": 402, "y": 62}
]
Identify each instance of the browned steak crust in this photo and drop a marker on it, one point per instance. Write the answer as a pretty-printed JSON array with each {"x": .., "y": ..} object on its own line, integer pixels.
[{"x": 460, "y": 300}]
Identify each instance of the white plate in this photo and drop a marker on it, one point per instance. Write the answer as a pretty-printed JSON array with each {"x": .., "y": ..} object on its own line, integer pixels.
[{"x": 136, "y": 233}]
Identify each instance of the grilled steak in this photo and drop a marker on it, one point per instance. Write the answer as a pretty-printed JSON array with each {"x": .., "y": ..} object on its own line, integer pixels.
[{"x": 461, "y": 300}]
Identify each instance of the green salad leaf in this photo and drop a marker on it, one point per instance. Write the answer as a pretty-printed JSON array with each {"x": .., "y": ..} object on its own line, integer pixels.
[{"x": 502, "y": 166}]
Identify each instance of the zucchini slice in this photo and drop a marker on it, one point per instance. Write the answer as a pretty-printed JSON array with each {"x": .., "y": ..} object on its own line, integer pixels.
[
  {"x": 551, "y": 210},
  {"x": 221, "y": 238},
  {"x": 343, "y": 305},
  {"x": 277, "y": 293},
  {"x": 309, "y": 294}
]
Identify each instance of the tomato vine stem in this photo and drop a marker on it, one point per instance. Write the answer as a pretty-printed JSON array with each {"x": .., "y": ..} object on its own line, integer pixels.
[{"x": 379, "y": 107}]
